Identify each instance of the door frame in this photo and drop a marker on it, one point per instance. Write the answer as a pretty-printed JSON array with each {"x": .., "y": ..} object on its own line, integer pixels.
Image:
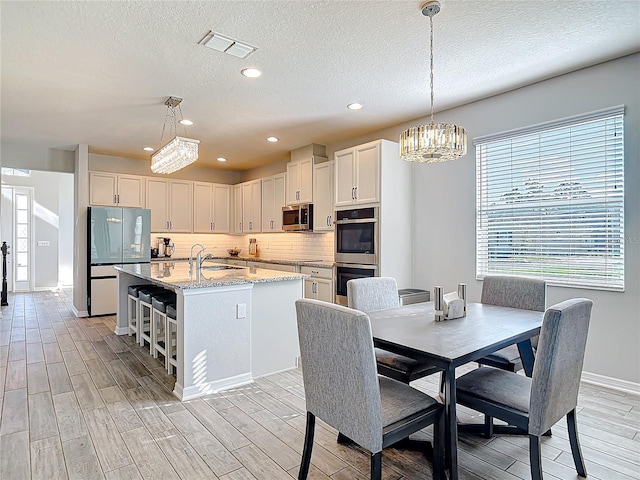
[{"x": 11, "y": 269}]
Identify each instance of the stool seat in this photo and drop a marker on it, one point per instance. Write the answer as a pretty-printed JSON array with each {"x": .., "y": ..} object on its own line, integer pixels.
[
  {"x": 134, "y": 289},
  {"x": 145, "y": 294},
  {"x": 171, "y": 311},
  {"x": 160, "y": 302}
]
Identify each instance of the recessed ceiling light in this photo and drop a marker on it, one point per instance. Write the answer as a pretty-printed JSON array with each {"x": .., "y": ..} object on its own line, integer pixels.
[
  {"x": 221, "y": 159},
  {"x": 148, "y": 149},
  {"x": 272, "y": 139},
  {"x": 251, "y": 72},
  {"x": 186, "y": 122},
  {"x": 354, "y": 106}
]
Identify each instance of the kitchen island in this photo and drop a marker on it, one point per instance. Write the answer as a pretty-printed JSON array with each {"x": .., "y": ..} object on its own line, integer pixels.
[{"x": 234, "y": 323}]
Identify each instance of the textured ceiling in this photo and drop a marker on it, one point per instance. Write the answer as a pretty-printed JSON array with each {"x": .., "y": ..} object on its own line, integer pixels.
[{"x": 98, "y": 73}]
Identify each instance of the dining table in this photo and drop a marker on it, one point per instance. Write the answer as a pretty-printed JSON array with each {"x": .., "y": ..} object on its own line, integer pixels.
[{"x": 412, "y": 330}]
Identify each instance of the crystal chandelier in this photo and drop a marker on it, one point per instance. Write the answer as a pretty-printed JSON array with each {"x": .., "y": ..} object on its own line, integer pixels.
[
  {"x": 434, "y": 142},
  {"x": 180, "y": 151}
]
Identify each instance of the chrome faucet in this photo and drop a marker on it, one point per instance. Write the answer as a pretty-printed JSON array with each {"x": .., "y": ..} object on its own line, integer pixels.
[
  {"x": 197, "y": 257},
  {"x": 206, "y": 257}
]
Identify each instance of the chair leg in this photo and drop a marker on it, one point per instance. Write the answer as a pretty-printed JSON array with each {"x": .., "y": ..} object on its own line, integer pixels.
[
  {"x": 438, "y": 448},
  {"x": 376, "y": 466},
  {"x": 575, "y": 443},
  {"x": 343, "y": 439},
  {"x": 308, "y": 446},
  {"x": 535, "y": 457},
  {"x": 488, "y": 426}
]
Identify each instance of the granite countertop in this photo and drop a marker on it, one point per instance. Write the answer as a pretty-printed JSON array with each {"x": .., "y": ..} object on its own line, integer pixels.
[
  {"x": 175, "y": 274},
  {"x": 248, "y": 258}
]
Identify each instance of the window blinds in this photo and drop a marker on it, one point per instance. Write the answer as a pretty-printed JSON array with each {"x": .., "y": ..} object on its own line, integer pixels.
[{"x": 550, "y": 201}]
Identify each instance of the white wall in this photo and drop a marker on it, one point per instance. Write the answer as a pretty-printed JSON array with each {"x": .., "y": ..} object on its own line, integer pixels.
[
  {"x": 447, "y": 257},
  {"x": 53, "y": 222}
]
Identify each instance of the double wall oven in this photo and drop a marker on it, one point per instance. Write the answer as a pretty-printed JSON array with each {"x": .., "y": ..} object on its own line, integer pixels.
[{"x": 357, "y": 247}]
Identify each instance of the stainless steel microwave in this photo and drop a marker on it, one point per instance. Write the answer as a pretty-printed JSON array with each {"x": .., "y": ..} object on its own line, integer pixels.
[{"x": 297, "y": 218}]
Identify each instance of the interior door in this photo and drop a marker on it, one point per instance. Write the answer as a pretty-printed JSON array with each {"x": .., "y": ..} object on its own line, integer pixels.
[
  {"x": 21, "y": 207},
  {"x": 6, "y": 222}
]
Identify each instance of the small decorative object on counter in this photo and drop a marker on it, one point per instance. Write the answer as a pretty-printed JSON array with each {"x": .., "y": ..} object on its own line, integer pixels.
[
  {"x": 234, "y": 252},
  {"x": 450, "y": 305},
  {"x": 253, "y": 246}
]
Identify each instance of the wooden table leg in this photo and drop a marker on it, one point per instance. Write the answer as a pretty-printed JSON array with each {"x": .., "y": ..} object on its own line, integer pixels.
[{"x": 451, "y": 429}]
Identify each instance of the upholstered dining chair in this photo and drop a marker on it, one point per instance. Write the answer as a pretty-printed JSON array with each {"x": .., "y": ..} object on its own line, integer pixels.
[
  {"x": 515, "y": 292},
  {"x": 343, "y": 389},
  {"x": 535, "y": 404},
  {"x": 381, "y": 293}
]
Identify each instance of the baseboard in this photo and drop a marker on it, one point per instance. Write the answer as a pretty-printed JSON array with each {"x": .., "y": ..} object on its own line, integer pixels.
[
  {"x": 121, "y": 330},
  {"x": 612, "y": 383},
  {"x": 78, "y": 313},
  {"x": 211, "y": 387},
  {"x": 277, "y": 371}
]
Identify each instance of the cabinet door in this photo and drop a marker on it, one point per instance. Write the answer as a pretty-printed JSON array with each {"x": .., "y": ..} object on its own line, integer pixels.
[
  {"x": 344, "y": 181},
  {"x": 309, "y": 290},
  {"x": 324, "y": 290},
  {"x": 237, "y": 208},
  {"x": 130, "y": 191},
  {"x": 180, "y": 206},
  {"x": 279, "y": 200},
  {"x": 158, "y": 203},
  {"x": 323, "y": 197},
  {"x": 202, "y": 207},
  {"x": 306, "y": 181},
  {"x": 103, "y": 188},
  {"x": 221, "y": 208},
  {"x": 251, "y": 199},
  {"x": 293, "y": 183},
  {"x": 367, "y": 173},
  {"x": 268, "y": 203}
]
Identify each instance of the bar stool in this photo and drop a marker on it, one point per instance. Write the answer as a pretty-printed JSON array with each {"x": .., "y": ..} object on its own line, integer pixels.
[
  {"x": 144, "y": 313},
  {"x": 133, "y": 307},
  {"x": 172, "y": 339},
  {"x": 159, "y": 305}
]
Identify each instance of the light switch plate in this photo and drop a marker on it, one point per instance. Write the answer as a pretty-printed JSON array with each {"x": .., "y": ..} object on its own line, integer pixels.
[
  {"x": 241, "y": 310},
  {"x": 43, "y": 243}
]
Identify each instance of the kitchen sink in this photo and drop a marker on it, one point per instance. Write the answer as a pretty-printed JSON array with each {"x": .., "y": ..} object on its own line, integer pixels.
[{"x": 220, "y": 267}]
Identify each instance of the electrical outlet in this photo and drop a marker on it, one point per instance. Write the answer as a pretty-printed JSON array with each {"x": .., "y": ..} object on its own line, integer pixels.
[{"x": 241, "y": 310}]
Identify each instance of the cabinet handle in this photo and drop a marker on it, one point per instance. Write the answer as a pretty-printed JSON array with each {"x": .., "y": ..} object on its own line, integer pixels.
[
  {"x": 315, "y": 271},
  {"x": 213, "y": 225},
  {"x": 115, "y": 199},
  {"x": 250, "y": 225},
  {"x": 167, "y": 224},
  {"x": 240, "y": 226},
  {"x": 271, "y": 224},
  {"x": 353, "y": 193},
  {"x": 118, "y": 199},
  {"x": 355, "y": 189},
  {"x": 298, "y": 195}
]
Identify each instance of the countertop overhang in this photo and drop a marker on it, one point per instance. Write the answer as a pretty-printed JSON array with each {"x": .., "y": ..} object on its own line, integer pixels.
[
  {"x": 249, "y": 258},
  {"x": 176, "y": 275}
]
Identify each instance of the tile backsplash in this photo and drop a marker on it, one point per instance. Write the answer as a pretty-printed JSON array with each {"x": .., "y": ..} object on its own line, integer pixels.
[{"x": 294, "y": 246}]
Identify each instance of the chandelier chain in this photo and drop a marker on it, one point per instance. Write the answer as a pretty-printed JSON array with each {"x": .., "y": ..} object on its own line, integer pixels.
[
  {"x": 431, "y": 60},
  {"x": 171, "y": 112}
]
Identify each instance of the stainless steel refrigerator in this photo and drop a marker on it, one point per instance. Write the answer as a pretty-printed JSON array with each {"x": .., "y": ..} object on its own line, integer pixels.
[{"x": 115, "y": 235}]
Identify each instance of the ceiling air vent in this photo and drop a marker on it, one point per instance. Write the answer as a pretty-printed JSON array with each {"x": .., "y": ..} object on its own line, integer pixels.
[{"x": 225, "y": 44}]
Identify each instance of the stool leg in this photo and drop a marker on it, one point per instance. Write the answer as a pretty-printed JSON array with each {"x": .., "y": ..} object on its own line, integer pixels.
[{"x": 153, "y": 334}]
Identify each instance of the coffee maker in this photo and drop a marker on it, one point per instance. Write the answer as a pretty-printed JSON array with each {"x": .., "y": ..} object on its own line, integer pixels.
[{"x": 169, "y": 247}]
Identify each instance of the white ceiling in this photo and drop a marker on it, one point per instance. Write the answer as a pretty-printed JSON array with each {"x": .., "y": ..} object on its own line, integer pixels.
[{"x": 98, "y": 73}]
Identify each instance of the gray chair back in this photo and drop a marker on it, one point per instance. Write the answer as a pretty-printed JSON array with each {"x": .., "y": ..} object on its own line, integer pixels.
[
  {"x": 558, "y": 367},
  {"x": 514, "y": 292},
  {"x": 339, "y": 370},
  {"x": 372, "y": 294}
]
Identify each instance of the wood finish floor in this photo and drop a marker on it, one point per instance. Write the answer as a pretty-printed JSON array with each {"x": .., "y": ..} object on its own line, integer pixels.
[{"x": 79, "y": 402}]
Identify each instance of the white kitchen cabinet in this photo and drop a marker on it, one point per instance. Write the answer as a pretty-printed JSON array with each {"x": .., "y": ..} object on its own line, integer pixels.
[
  {"x": 273, "y": 198},
  {"x": 171, "y": 204},
  {"x": 300, "y": 182},
  {"x": 237, "y": 209},
  {"x": 273, "y": 266},
  {"x": 211, "y": 202},
  {"x": 251, "y": 206},
  {"x": 320, "y": 285},
  {"x": 111, "y": 189},
  {"x": 357, "y": 174},
  {"x": 323, "y": 197}
]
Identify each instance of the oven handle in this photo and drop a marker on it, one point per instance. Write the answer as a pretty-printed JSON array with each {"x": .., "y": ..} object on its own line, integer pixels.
[
  {"x": 357, "y": 265},
  {"x": 356, "y": 220}
]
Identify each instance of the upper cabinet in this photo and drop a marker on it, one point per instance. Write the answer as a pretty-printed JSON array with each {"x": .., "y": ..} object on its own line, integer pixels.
[
  {"x": 300, "y": 173},
  {"x": 252, "y": 206},
  {"x": 299, "y": 182},
  {"x": 323, "y": 197},
  {"x": 357, "y": 172},
  {"x": 273, "y": 198},
  {"x": 112, "y": 189},
  {"x": 171, "y": 204},
  {"x": 211, "y": 202}
]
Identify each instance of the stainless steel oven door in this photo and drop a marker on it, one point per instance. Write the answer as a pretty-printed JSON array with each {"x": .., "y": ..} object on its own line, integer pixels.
[
  {"x": 357, "y": 240},
  {"x": 349, "y": 271}
]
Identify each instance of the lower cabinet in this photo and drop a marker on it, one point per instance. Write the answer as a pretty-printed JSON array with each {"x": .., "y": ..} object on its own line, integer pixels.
[{"x": 320, "y": 285}]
